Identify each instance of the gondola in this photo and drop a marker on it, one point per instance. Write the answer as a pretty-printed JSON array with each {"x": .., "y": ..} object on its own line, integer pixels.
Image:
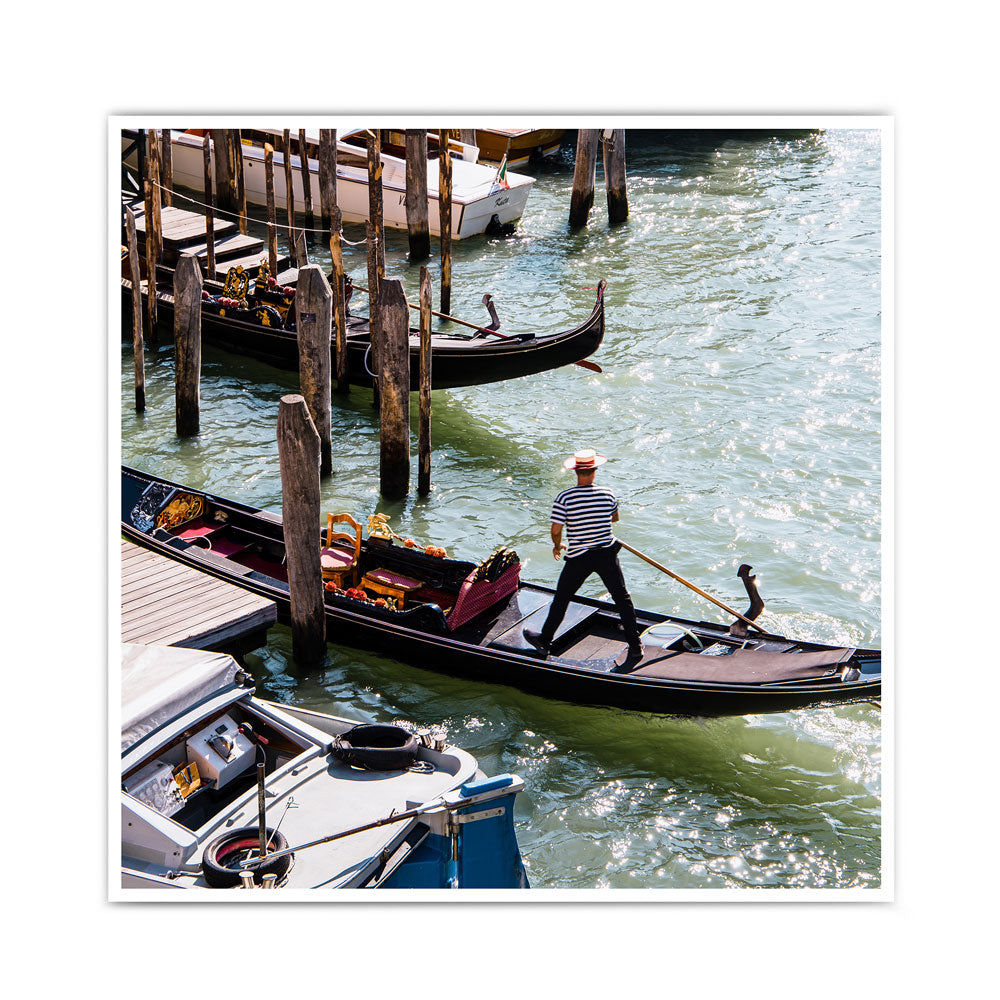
[
  {"x": 468, "y": 619},
  {"x": 258, "y": 330}
]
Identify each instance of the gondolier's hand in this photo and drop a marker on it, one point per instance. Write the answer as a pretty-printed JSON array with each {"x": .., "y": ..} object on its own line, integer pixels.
[{"x": 557, "y": 550}]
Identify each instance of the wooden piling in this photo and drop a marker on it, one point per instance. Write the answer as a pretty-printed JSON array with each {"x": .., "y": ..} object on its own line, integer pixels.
[
  {"x": 167, "y": 161},
  {"x": 153, "y": 226},
  {"x": 306, "y": 178},
  {"x": 137, "y": 345},
  {"x": 584, "y": 172},
  {"x": 394, "y": 391},
  {"x": 327, "y": 175},
  {"x": 241, "y": 187},
  {"x": 444, "y": 213},
  {"x": 209, "y": 213},
  {"x": 314, "y": 320},
  {"x": 150, "y": 259},
  {"x": 467, "y": 135},
  {"x": 187, "y": 344},
  {"x": 223, "y": 181},
  {"x": 289, "y": 190},
  {"x": 614, "y": 175},
  {"x": 299, "y": 458},
  {"x": 272, "y": 225},
  {"x": 424, "y": 424},
  {"x": 416, "y": 195},
  {"x": 331, "y": 220},
  {"x": 376, "y": 250},
  {"x": 301, "y": 255}
]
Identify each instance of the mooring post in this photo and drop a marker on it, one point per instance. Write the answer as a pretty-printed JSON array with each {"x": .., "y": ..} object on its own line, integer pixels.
[
  {"x": 150, "y": 248},
  {"x": 166, "y": 158},
  {"x": 223, "y": 182},
  {"x": 416, "y": 195},
  {"x": 301, "y": 254},
  {"x": 424, "y": 424},
  {"x": 187, "y": 344},
  {"x": 327, "y": 175},
  {"x": 135, "y": 277},
  {"x": 155, "y": 178},
  {"x": 298, "y": 460},
  {"x": 584, "y": 172},
  {"x": 209, "y": 214},
  {"x": 444, "y": 215},
  {"x": 614, "y": 174},
  {"x": 241, "y": 187},
  {"x": 331, "y": 221},
  {"x": 314, "y": 320},
  {"x": 394, "y": 386},
  {"x": 272, "y": 224},
  {"x": 306, "y": 178},
  {"x": 289, "y": 190},
  {"x": 467, "y": 135},
  {"x": 376, "y": 250}
]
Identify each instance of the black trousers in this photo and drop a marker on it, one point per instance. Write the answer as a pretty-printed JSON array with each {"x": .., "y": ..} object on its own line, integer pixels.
[{"x": 603, "y": 562}]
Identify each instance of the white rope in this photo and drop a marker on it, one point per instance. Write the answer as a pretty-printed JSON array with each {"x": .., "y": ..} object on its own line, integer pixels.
[{"x": 217, "y": 211}]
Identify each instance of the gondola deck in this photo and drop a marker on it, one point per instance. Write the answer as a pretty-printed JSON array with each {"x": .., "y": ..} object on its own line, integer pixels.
[{"x": 456, "y": 623}]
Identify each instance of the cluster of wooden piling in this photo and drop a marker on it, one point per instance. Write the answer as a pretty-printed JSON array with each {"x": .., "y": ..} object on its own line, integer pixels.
[
  {"x": 585, "y": 172},
  {"x": 304, "y": 427}
]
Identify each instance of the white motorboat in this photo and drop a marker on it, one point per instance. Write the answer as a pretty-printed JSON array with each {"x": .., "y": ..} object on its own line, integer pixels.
[
  {"x": 480, "y": 199},
  {"x": 343, "y": 806}
]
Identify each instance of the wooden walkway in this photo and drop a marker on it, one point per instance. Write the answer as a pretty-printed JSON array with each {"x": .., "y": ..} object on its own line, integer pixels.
[
  {"x": 184, "y": 232},
  {"x": 166, "y": 603}
]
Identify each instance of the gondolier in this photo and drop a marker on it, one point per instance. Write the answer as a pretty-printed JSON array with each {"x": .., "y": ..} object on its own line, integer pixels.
[{"x": 587, "y": 513}]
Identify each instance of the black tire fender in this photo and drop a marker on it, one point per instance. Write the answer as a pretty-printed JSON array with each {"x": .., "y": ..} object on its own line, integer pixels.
[
  {"x": 224, "y": 851},
  {"x": 377, "y": 747}
]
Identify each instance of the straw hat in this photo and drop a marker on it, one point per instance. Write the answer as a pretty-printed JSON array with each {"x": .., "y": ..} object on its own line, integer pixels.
[{"x": 583, "y": 461}]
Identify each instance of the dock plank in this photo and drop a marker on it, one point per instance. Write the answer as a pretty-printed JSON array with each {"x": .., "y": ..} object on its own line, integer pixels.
[{"x": 168, "y": 603}]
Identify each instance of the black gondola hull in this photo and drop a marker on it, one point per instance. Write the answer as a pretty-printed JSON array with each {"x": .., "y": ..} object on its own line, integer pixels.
[
  {"x": 456, "y": 360},
  {"x": 403, "y": 636}
]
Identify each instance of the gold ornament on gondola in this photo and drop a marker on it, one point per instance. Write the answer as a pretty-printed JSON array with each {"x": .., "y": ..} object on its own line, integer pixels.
[
  {"x": 378, "y": 527},
  {"x": 182, "y": 508},
  {"x": 237, "y": 282}
]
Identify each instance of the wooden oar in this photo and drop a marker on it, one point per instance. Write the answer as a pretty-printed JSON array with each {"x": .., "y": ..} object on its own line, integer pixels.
[
  {"x": 589, "y": 365},
  {"x": 690, "y": 586}
]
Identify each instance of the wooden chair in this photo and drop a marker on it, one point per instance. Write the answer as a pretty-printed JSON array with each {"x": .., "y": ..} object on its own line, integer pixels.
[{"x": 338, "y": 563}]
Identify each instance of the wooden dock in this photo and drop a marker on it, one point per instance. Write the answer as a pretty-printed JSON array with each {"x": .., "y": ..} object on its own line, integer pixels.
[
  {"x": 184, "y": 232},
  {"x": 169, "y": 604}
]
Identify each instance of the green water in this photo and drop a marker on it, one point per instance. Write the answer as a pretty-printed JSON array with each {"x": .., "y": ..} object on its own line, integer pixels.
[{"x": 740, "y": 409}]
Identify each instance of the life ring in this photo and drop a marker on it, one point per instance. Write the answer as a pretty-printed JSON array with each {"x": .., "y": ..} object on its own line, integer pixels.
[
  {"x": 377, "y": 748},
  {"x": 221, "y": 862}
]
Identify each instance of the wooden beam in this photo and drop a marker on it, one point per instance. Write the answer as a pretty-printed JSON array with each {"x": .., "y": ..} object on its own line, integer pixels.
[
  {"x": 187, "y": 344},
  {"x": 584, "y": 173},
  {"x": 424, "y": 425},
  {"x": 394, "y": 391},
  {"x": 298, "y": 458},
  {"x": 137, "y": 344},
  {"x": 313, "y": 317},
  {"x": 417, "y": 229}
]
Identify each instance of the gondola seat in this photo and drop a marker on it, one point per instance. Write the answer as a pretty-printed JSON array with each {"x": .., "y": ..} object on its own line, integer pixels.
[
  {"x": 476, "y": 596},
  {"x": 339, "y": 563},
  {"x": 390, "y": 584}
]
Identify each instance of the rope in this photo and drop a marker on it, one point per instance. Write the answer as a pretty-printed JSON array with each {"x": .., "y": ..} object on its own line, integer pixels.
[{"x": 237, "y": 217}]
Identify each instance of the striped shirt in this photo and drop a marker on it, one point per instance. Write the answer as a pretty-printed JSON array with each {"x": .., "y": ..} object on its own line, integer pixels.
[{"x": 586, "y": 511}]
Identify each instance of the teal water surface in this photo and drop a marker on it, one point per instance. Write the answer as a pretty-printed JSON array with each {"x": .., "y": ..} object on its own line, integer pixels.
[{"x": 740, "y": 407}]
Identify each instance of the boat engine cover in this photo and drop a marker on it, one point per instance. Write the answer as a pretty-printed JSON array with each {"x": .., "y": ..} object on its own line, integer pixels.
[{"x": 221, "y": 751}]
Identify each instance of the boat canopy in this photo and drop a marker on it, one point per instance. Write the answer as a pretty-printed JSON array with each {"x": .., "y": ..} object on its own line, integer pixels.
[{"x": 160, "y": 683}]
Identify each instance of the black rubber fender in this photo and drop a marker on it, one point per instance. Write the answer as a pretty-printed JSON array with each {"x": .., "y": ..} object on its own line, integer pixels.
[
  {"x": 377, "y": 747},
  {"x": 220, "y": 860}
]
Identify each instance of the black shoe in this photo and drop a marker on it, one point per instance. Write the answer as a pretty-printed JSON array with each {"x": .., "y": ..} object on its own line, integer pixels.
[
  {"x": 635, "y": 652},
  {"x": 535, "y": 639}
]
